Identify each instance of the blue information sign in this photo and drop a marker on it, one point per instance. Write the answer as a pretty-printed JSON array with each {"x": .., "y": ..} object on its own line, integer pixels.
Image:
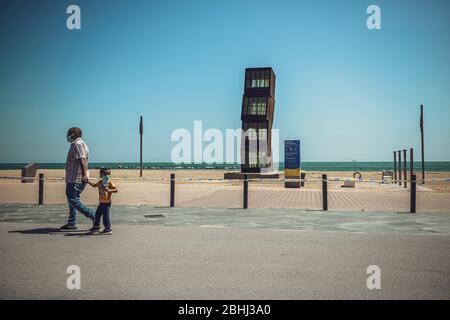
[{"x": 292, "y": 154}]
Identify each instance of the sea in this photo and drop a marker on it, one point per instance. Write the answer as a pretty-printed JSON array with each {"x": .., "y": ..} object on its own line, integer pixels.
[{"x": 432, "y": 166}]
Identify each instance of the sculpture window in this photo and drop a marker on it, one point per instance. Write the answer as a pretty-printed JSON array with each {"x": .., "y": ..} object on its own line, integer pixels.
[{"x": 257, "y": 79}]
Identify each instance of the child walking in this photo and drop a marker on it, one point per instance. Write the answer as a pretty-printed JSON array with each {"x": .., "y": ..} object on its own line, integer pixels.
[{"x": 105, "y": 189}]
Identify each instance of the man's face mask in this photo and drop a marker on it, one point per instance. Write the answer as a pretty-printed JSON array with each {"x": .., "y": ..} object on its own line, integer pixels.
[{"x": 69, "y": 138}]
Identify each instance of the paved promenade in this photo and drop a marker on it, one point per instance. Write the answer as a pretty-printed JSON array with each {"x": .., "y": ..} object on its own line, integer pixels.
[
  {"x": 261, "y": 218},
  {"x": 338, "y": 200},
  {"x": 203, "y": 256}
]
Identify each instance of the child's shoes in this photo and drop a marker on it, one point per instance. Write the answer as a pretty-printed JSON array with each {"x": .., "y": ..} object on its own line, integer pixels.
[{"x": 95, "y": 230}]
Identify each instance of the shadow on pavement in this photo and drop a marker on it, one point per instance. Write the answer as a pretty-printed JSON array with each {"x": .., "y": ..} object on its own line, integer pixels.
[
  {"x": 80, "y": 233},
  {"x": 38, "y": 231},
  {"x": 53, "y": 231}
]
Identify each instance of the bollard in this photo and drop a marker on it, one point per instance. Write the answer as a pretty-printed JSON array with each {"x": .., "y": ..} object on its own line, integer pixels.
[
  {"x": 245, "y": 191},
  {"x": 41, "y": 189},
  {"x": 302, "y": 177},
  {"x": 172, "y": 190},
  {"x": 411, "y": 162},
  {"x": 413, "y": 194},
  {"x": 399, "y": 168},
  {"x": 404, "y": 168},
  {"x": 324, "y": 193}
]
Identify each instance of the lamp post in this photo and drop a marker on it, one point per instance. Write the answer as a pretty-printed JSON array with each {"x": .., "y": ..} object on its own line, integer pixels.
[
  {"x": 395, "y": 166},
  {"x": 141, "y": 132},
  {"x": 404, "y": 168},
  {"x": 422, "y": 144}
]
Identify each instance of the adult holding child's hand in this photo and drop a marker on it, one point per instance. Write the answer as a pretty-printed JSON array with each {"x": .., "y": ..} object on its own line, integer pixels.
[{"x": 77, "y": 176}]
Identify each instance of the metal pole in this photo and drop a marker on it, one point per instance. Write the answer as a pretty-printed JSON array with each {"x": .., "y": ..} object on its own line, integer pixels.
[
  {"x": 399, "y": 168},
  {"x": 413, "y": 194},
  {"x": 172, "y": 190},
  {"x": 395, "y": 167},
  {"x": 141, "y": 132},
  {"x": 245, "y": 191},
  {"x": 41, "y": 189},
  {"x": 411, "y": 162},
  {"x": 324, "y": 192},
  {"x": 422, "y": 144},
  {"x": 404, "y": 167}
]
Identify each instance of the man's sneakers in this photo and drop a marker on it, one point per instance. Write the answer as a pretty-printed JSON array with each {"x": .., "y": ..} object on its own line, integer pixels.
[
  {"x": 69, "y": 227},
  {"x": 107, "y": 231}
]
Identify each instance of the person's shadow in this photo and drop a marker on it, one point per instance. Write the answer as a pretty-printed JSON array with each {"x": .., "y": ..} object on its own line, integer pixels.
[
  {"x": 38, "y": 231},
  {"x": 80, "y": 233},
  {"x": 54, "y": 231}
]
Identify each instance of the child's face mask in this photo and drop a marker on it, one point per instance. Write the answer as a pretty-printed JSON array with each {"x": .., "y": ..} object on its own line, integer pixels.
[{"x": 105, "y": 180}]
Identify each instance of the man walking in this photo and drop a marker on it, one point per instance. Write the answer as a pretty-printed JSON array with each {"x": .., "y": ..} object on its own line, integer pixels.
[{"x": 76, "y": 177}]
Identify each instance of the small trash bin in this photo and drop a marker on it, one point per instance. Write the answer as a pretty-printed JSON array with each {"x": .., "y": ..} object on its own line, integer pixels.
[{"x": 29, "y": 172}]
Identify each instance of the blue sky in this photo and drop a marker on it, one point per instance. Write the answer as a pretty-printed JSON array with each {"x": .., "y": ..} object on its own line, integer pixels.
[{"x": 347, "y": 92}]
